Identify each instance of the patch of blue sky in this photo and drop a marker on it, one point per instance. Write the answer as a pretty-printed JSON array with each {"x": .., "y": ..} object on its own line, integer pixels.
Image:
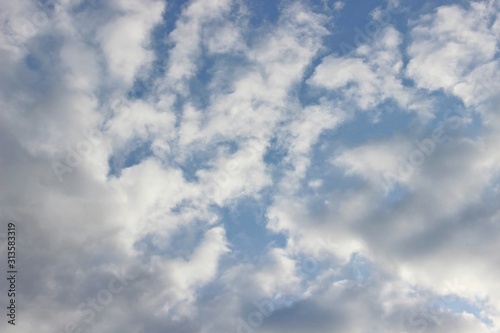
[
  {"x": 212, "y": 290},
  {"x": 198, "y": 85},
  {"x": 134, "y": 153},
  {"x": 493, "y": 189},
  {"x": 332, "y": 179},
  {"x": 206, "y": 63},
  {"x": 350, "y": 134},
  {"x": 274, "y": 157},
  {"x": 45, "y": 5},
  {"x": 81, "y": 6},
  {"x": 458, "y": 305},
  {"x": 354, "y": 25},
  {"x": 225, "y": 69},
  {"x": 308, "y": 95},
  {"x": 32, "y": 62},
  {"x": 191, "y": 165},
  {"x": 303, "y": 92},
  {"x": 464, "y": 305},
  {"x": 358, "y": 269},
  {"x": 264, "y": 12},
  {"x": 160, "y": 46},
  {"x": 245, "y": 224},
  {"x": 215, "y": 74},
  {"x": 276, "y": 152},
  {"x": 451, "y": 302},
  {"x": 40, "y": 51},
  {"x": 170, "y": 16},
  {"x": 318, "y": 208},
  {"x": 450, "y": 111},
  {"x": 196, "y": 160},
  {"x": 382, "y": 122},
  {"x": 396, "y": 194},
  {"x": 139, "y": 89},
  {"x": 361, "y": 129},
  {"x": 445, "y": 104},
  {"x": 474, "y": 128}
]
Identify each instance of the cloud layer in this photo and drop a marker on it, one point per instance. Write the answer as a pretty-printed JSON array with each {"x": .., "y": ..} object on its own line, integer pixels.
[{"x": 220, "y": 166}]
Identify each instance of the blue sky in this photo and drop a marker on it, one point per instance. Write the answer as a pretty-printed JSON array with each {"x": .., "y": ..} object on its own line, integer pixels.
[{"x": 252, "y": 166}]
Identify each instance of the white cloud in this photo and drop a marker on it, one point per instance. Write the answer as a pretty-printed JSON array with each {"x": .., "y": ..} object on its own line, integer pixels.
[
  {"x": 182, "y": 62},
  {"x": 448, "y": 44},
  {"x": 371, "y": 75},
  {"x": 124, "y": 39}
]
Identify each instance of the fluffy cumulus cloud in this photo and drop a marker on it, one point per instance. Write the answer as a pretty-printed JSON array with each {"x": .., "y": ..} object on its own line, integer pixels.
[{"x": 235, "y": 166}]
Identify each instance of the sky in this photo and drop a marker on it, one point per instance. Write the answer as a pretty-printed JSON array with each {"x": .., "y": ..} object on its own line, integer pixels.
[{"x": 256, "y": 166}]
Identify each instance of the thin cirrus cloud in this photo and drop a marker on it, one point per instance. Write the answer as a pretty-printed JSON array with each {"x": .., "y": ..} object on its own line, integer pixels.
[{"x": 221, "y": 165}]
